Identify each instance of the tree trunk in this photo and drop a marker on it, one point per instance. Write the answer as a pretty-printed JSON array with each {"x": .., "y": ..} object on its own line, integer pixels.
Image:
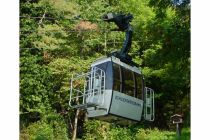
[
  {"x": 43, "y": 16},
  {"x": 74, "y": 133}
]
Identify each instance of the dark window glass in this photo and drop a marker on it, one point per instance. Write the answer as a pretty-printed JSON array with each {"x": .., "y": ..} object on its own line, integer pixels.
[
  {"x": 139, "y": 85},
  {"x": 148, "y": 110},
  {"x": 129, "y": 82},
  {"x": 117, "y": 78}
]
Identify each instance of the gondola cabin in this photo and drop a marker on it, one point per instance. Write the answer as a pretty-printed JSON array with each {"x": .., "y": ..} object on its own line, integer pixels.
[{"x": 112, "y": 91}]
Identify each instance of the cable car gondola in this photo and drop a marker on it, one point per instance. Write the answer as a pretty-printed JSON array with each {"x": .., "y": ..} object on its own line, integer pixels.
[{"x": 114, "y": 89}]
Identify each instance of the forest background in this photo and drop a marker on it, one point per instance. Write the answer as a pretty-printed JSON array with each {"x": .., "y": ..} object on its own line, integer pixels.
[{"x": 59, "y": 38}]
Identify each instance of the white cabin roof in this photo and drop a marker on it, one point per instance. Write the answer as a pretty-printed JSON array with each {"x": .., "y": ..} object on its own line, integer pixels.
[{"x": 117, "y": 61}]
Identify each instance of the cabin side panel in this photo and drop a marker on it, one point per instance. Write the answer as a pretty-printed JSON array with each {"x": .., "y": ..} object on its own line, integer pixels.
[{"x": 126, "y": 106}]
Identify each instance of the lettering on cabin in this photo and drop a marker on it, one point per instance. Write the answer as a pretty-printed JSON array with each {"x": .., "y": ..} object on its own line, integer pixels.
[{"x": 127, "y": 101}]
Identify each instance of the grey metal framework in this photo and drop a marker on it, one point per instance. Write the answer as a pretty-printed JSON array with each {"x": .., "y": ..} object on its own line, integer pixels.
[
  {"x": 149, "y": 105},
  {"x": 89, "y": 90}
]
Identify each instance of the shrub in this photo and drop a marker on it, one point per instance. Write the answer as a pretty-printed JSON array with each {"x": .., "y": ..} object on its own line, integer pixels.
[
  {"x": 59, "y": 126},
  {"x": 96, "y": 130},
  {"x": 37, "y": 131},
  {"x": 185, "y": 135},
  {"x": 155, "y": 134},
  {"x": 99, "y": 130},
  {"x": 51, "y": 128},
  {"x": 117, "y": 133}
]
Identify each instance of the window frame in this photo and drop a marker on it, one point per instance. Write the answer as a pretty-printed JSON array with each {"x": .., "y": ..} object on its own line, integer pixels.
[
  {"x": 120, "y": 76},
  {"x": 142, "y": 86}
]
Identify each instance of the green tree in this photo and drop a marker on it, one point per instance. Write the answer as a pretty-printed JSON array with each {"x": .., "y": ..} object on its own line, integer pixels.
[{"x": 166, "y": 64}]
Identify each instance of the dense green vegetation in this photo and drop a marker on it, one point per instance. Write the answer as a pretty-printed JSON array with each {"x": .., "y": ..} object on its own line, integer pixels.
[{"x": 55, "y": 43}]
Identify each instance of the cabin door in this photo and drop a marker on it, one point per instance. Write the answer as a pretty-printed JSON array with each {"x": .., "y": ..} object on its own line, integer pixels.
[{"x": 96, "y": 86}]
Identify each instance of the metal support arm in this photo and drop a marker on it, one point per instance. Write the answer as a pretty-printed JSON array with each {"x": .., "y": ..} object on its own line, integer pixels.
[{"x": 123, "y": 23}]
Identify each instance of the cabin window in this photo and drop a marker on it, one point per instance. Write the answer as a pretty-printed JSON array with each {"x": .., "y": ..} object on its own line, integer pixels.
[
  {"x": 129, "y": 82},
  {"x": 139, "y": 85},
  {"x": 117, "y": 78},
  {"x": 107, "y": 67}
]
